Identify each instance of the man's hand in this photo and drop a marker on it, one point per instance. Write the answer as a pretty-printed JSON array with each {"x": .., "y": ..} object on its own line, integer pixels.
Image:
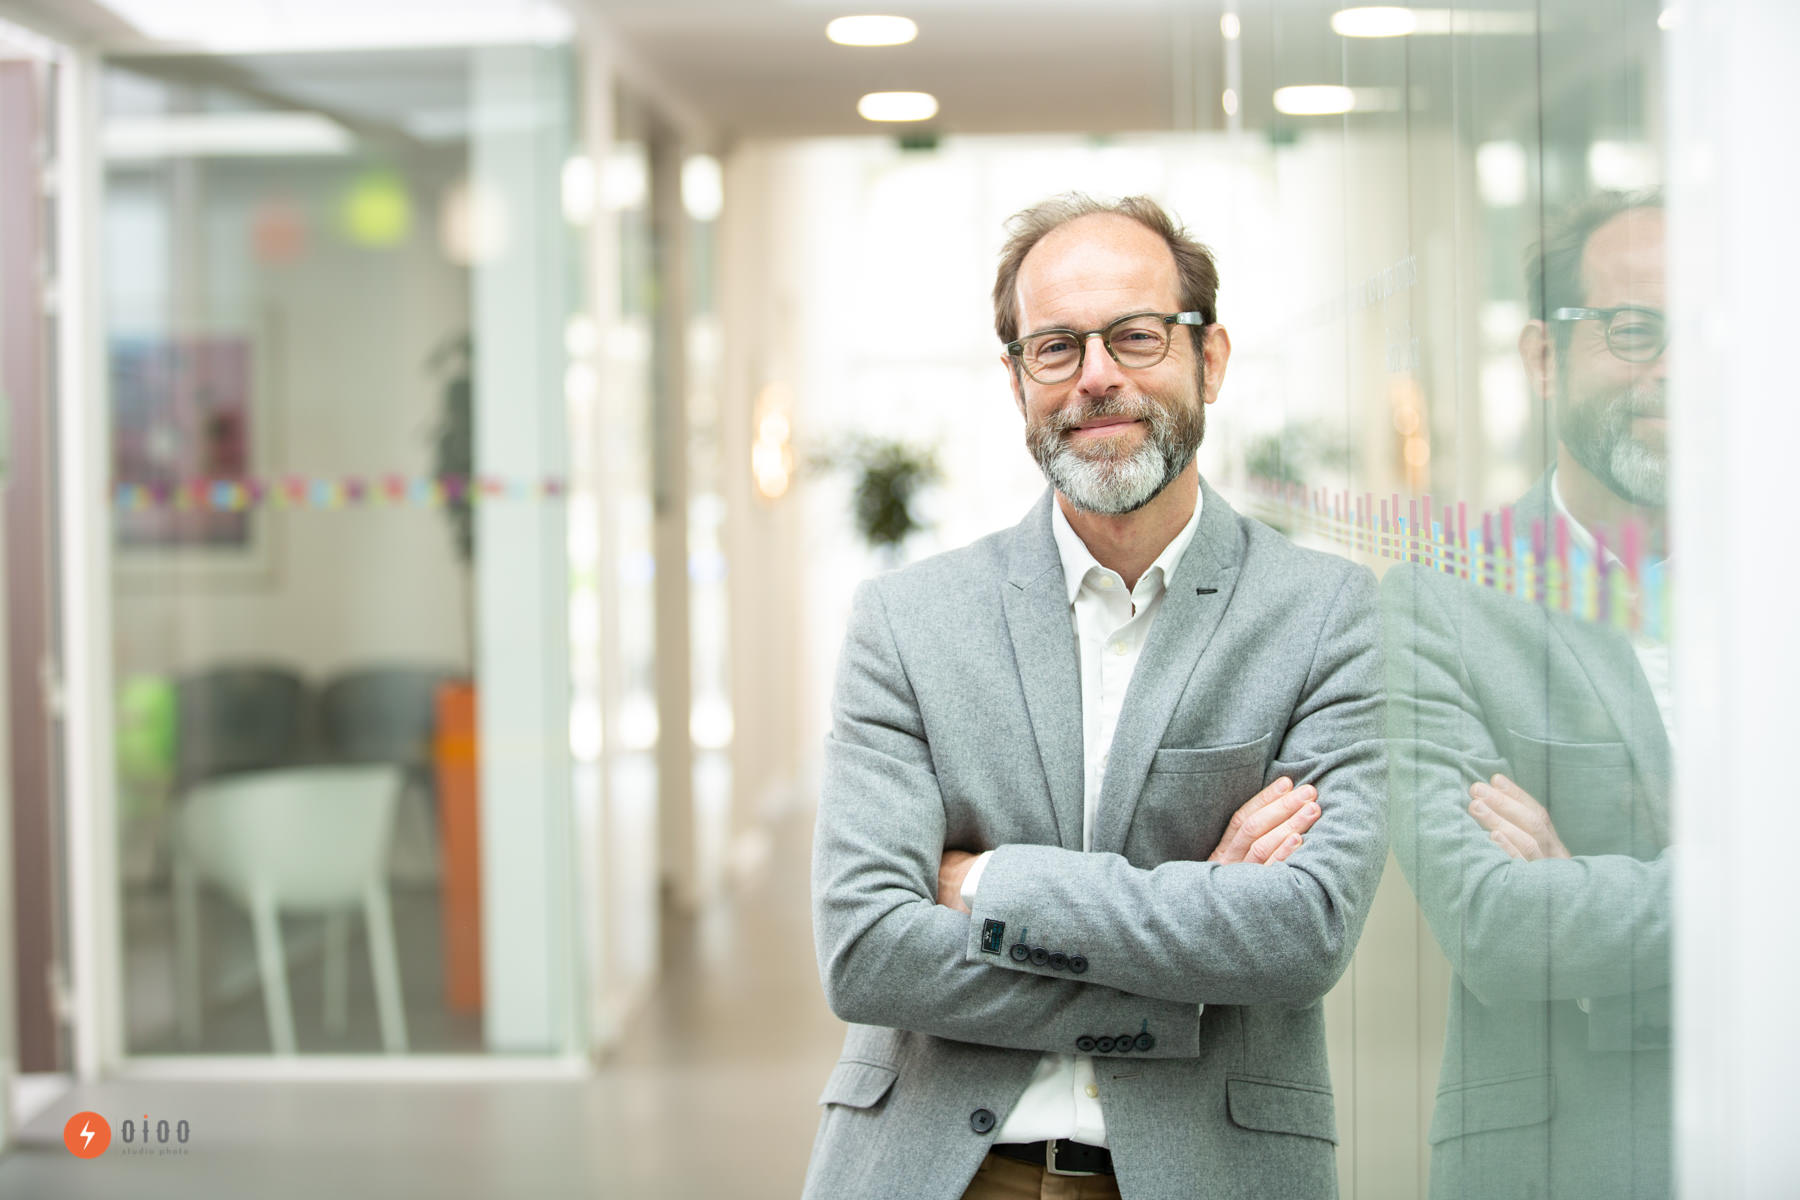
[
  {"x": 1269, "y": 826},
  {"x": 950, "y": 878},
  {"x": 1514, "y": 821}
]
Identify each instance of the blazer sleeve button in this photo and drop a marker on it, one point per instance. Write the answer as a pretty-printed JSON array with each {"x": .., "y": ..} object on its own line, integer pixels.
[
  {"x": 1104, "y": 1045},
  {"x": 1039, "y": 956},
  {"x": 1059, "y": 961},
  {"x": 1085, "y": 1043},
  {"x": 1020, "y": 952},
  {"x": 1145, "y": 1042},
  {"x": 1123, "y": 1043},
  {"x": 1077, "y": 963},
  {"x": 981, "y": 1120}
]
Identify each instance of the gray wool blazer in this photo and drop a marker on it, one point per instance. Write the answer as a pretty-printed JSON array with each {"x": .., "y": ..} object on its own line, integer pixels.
[
  {"x": 957, "y": 723},
  {"x": 1555, "y": 1075}
]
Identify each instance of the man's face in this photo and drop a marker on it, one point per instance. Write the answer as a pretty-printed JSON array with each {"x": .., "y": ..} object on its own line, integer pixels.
[
  {"x": 1611, "y": 413},
  {"x": 1109, "y": 439}
]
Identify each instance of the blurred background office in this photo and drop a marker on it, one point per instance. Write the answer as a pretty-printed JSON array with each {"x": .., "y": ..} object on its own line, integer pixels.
[{"x": 441, "y": 439}]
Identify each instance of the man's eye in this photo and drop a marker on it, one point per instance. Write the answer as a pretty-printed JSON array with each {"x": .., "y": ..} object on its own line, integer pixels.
[{"x": 1053, "y": 346}]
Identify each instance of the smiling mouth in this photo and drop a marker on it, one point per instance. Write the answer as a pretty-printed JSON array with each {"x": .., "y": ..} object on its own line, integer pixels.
[{"x": 1103, "y": 428}]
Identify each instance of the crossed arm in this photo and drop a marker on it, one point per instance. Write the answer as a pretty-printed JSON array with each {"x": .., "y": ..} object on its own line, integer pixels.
[
  {"x": 1270, "y": 826},
  {"x": 1519, "y": 917},
  {"x": 1231, "y": 929}
]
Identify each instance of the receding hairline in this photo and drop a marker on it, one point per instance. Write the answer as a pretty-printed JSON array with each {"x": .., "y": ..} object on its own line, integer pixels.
[{"x": 1067, "y": 227}]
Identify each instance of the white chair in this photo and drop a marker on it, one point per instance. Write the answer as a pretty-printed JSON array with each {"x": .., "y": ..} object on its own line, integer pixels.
[{"x": 307, "y": 839}]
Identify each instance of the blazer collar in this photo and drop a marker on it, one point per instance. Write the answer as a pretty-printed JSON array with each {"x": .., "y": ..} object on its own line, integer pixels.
[
  {"x": 1036, "y": 604},
  {"x": 1610, "y": 665},
  {"x": 1198, "y": 596}
]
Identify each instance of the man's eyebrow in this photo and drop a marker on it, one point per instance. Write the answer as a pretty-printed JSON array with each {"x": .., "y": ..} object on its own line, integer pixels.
[{"x": 1095, "y": 329}]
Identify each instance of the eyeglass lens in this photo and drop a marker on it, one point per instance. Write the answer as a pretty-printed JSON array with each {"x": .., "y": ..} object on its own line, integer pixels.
[
  {"x": 1135, "y": 342},
  {"x": 1636, "y": 335}
]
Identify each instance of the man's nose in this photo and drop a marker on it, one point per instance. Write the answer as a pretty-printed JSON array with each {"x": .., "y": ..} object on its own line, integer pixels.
[{"x": 1100, "y": 375}]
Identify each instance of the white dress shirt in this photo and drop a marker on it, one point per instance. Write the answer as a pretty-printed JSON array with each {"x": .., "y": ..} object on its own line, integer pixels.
[{"x": 1111, "y": 626}]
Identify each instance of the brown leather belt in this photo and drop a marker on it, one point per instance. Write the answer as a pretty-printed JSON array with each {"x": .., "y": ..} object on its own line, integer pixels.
[{"x": 1059, "y": 1156}]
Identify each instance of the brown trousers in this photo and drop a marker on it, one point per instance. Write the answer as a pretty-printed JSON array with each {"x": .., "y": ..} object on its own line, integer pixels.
[{"x": 1006, "y": 1179}]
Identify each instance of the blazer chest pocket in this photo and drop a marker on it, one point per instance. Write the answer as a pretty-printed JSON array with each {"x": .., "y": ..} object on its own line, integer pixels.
[
  {"x": 1189, "y": 795},
  {"x": 858, "y": 1084},
  {"x": 1587, "y": 787},
  {"x": 1274, "y": 1107},
  {"x": 1211, "y": 760}
]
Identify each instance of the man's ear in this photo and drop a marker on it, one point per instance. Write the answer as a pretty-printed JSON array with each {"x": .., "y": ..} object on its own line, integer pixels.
[
  {"x": 1215, "y": 350},
  {"x": 1018, "y": 383},
  {"x": 1538, "y": 353}
]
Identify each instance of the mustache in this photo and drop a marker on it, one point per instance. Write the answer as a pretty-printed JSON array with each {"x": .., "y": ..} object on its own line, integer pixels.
[
  {"x": 1640, "y": 400},
  {"x": 1136, "y": 408}
]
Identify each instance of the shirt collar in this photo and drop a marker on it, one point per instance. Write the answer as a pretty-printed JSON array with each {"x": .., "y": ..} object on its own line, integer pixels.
[
  {"x": 1578, "y": 533},
  {"x": 1077, "y": 560}
]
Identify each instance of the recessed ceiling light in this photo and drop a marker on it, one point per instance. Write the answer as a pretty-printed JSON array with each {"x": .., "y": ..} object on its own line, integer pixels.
[
  {"x": 898, "y": 106},
  {"x": 1384, "y": 21},
  {"x": 871, "y": 31},
  {"x": 1314, "y": 100},
  {"x": 1375, "y": 22}
]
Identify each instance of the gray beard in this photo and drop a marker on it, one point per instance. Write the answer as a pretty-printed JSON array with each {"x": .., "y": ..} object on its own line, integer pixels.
[
  {"x": 1598, "y": 435},
  {"x": 1113, "y": 483}
]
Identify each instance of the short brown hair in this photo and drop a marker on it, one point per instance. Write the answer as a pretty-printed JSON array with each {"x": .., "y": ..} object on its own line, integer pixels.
[
  {"x": 1553, "y": 266},
  {"x": 1193, "y": 261}
]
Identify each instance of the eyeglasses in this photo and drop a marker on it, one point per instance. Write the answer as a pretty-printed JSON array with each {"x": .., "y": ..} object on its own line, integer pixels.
[
  {"x": 1636, "y": 335},
  {"x": 1136, "y": 341}
]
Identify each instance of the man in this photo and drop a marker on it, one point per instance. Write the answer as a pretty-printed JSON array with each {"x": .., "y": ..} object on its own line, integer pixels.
[
  {"x": 1071, "y": 932},
  {"x": 1531, "y": 770}
]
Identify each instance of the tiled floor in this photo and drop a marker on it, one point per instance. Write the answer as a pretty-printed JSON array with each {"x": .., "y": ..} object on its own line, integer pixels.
[{"x": 712, "y": 1096}]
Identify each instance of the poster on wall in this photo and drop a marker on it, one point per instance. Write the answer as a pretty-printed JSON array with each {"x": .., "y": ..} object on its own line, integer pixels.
[{"x": 184, "y": 413}]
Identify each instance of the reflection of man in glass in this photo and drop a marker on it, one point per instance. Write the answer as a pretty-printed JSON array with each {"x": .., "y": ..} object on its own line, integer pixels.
[{"x": 1531, "y": 770}]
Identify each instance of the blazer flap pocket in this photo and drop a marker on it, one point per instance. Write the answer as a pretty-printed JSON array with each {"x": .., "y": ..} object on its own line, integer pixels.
[
  {"x": 1282, "y": 1108},
  {"x": 1501, "y": 1104},
  {"x": 1206, "y": 760},
  {"x": 858, "y": 1084},
  {"x": 1570, "y": 755}
]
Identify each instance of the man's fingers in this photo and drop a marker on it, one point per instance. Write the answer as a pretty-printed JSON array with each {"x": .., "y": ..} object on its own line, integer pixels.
[
  {"x": 1507, "y": 787},
  {"x": 1510, "y": 803},
  {"x": 1518, "y": 810},
  {"x": 1514, "y": 843},
  {"x": 1236, "y": 840},
  {"x": 1284, "y": 838},
  {"x": 1266, "y": 818},
  {"x": 1261, "y": 801},
  {"x": 1289, "y": 843}
]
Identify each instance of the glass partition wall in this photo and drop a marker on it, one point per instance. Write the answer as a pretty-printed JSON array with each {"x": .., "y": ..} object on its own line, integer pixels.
[
  {"x": 335, "y": 298},
  {"x": 1441, "y": 251}
]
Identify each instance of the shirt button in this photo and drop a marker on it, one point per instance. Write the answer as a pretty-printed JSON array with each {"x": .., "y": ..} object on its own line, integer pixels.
[
  {"x": 1105, "y": 582},
  {"x": 1092, "y": 1091},
  {"x": 1118, "y": 647}
]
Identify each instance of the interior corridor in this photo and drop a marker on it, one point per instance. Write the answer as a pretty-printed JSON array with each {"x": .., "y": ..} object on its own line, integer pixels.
[{"x": 711, "y": 1094}]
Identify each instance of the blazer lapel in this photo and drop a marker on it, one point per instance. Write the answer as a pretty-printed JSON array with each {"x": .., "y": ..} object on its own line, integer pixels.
[
  {"x": 1610, "y": 667},
  {"x": 1192, "y": 607},
  {"x": 1612, "y": 670},
  {"x": 1036, "y": 602}
]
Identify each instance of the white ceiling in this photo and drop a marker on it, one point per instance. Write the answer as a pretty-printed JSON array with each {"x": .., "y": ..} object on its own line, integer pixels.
[
  {"x": 758, "y": 67},
  {"x": 764, "y": 68}
]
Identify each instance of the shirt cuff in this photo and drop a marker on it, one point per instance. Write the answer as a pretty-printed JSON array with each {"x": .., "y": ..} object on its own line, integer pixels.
[{"x": 973, "y": 879}]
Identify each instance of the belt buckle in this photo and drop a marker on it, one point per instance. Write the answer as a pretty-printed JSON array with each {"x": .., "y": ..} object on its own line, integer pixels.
[{"x": 1050, "y": 1160}]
